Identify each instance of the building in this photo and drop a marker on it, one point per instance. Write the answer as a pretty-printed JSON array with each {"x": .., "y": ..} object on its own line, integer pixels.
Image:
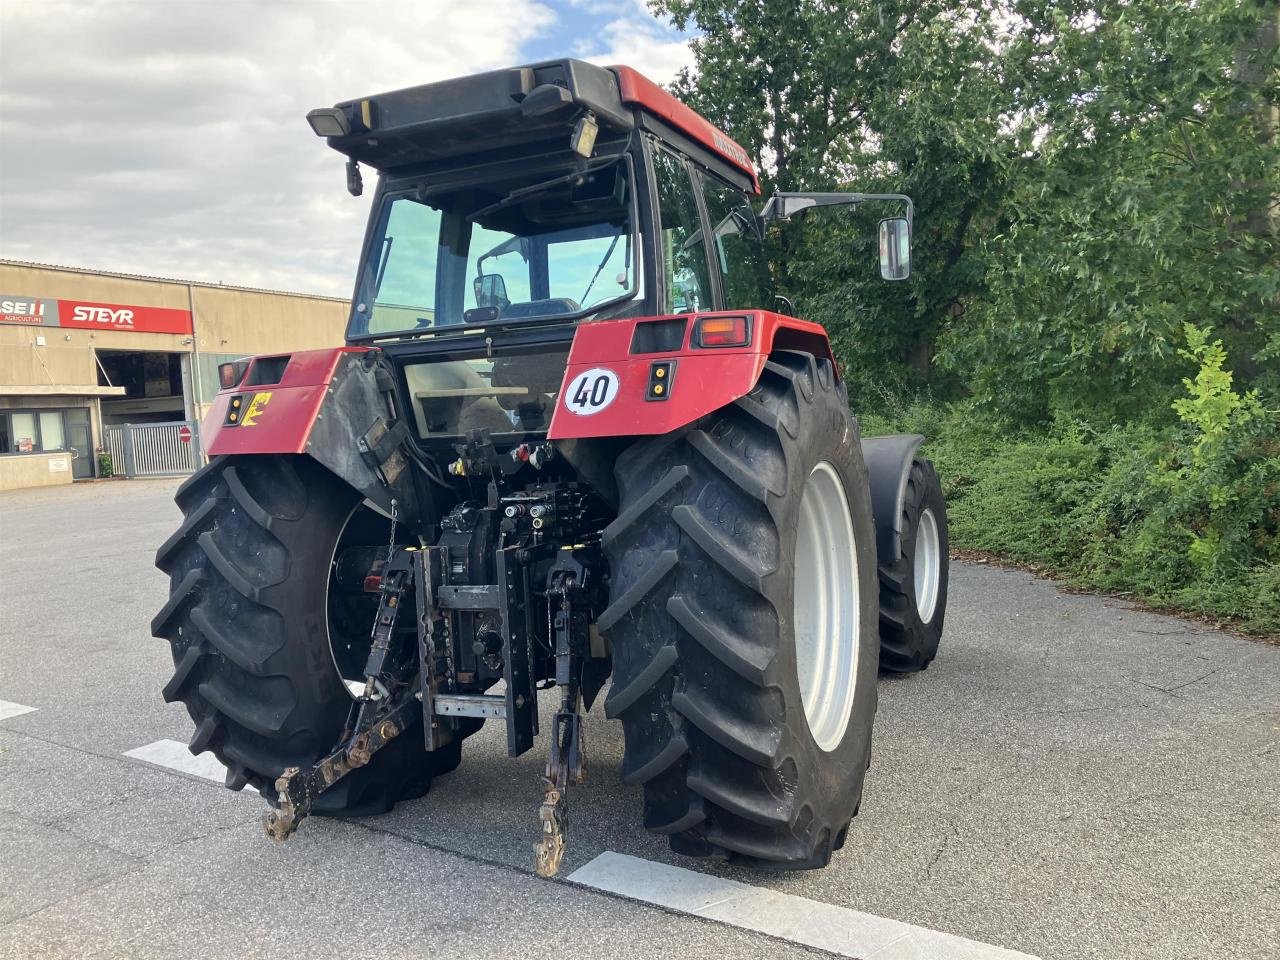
[{"x": 83, "y": 350}]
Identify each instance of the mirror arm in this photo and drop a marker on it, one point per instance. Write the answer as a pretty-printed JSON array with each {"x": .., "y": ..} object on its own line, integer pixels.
[{"x": 784, "y": 205}]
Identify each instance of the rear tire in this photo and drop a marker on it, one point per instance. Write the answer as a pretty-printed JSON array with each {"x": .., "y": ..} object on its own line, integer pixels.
[
  {"x": 248, "y": 626},
  {"x": 702, "y": 624},
  {"x": 913, "y": 589}
]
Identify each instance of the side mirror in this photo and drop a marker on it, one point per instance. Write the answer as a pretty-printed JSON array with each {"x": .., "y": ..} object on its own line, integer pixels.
[
  {"x": 491, "y": 291},
  {"x": 895, "y": 248}
]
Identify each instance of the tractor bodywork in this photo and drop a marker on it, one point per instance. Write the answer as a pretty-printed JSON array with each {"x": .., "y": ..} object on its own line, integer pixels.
[{"x": 561, "y": 265}]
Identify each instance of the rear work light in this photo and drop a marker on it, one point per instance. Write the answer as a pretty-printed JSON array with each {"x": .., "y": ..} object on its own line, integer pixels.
[
  {"x": 329, "y": 122},
  {"x": 722, "y": 332},
  {"x": 230, "y": 374}
]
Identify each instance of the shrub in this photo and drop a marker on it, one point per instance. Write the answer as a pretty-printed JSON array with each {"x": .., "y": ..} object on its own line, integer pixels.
[{"x": 1184, "y": 515}]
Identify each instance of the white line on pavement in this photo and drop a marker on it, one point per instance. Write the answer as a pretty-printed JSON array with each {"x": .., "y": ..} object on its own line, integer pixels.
[
  {"x": 176, "y": 756},
  {"x": 8, "y": 709},
  {"x": 838, "y": 930}
]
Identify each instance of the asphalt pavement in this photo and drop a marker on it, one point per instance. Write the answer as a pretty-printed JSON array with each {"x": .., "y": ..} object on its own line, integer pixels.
[{"x": 1071, "y": 778}]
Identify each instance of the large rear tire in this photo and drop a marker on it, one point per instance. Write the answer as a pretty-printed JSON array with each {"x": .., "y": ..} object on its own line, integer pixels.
[
  {"x": 747, "y": 710},
  {"x": 913, "y": 589},
  {"x": 248, "y": 625}
]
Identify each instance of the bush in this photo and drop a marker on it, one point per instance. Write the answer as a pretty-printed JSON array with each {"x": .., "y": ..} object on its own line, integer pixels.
[{"x": 1172, "y": 514}]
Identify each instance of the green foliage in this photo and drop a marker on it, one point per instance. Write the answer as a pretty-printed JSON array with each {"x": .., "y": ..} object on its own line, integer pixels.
[
  {"x": 1097, "y": 507},
  {"x": 1137, "y": 211},
  {"x": 1212, "y": 402},
  {"x": 106, "y": 468},
  {"x": 1097, "y": 187},
  {"x": 895, "y": 96},
  {"x": 1224, "y": 483}
]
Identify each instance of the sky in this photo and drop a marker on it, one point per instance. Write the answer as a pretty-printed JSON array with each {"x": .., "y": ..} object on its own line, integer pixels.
[{"x": 167, "y": 137}]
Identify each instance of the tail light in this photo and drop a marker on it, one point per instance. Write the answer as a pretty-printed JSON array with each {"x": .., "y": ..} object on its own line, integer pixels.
[{"x": 722, "y": 332}]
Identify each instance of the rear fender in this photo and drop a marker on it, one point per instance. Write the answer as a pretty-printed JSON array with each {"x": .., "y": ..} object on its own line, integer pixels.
[
  {"x": 329, "y": 404},
  {"x": 889, "y": 462},
  {"x": 701, "y": 381}
]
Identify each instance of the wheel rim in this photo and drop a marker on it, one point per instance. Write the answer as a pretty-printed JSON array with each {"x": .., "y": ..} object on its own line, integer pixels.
[
  {"x": 927, "y": 565},
  {"x": 348, "y": 653},
  {"x": 826, "y": 608}
]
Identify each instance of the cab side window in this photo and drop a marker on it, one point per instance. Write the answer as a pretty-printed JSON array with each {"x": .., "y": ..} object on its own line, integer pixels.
[
  {"x": 739, "y": 256},
  {"x": 684, "y": 255}
]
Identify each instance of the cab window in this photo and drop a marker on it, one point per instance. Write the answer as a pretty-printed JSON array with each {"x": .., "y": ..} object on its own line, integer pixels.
[
  {"x": 684, "y": 257},
  {"x": 738, "y": 254}
]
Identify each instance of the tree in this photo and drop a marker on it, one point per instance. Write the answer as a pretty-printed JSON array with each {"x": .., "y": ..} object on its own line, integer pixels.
[
  {"x": 1132, "y": 219},
  {"x": 1089, "y": 176},
  {"x": 899, "y": 96}
]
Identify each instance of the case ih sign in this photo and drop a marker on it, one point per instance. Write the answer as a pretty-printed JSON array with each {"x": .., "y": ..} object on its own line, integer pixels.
[{"x": 88, "y": 315}]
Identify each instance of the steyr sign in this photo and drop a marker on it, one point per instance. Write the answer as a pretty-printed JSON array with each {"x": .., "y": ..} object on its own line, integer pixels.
[{"x": 88, "y": 315}]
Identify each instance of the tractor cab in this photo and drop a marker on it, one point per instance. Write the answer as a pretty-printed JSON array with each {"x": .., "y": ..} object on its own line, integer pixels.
[{"x": 514, "y": 205}]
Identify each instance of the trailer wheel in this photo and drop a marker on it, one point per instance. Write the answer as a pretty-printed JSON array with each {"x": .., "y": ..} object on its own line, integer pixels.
[
  {"x": 913, "y": 589},
  {"x": 247, "y": 621},
  {"x": 743, "y": 622}
]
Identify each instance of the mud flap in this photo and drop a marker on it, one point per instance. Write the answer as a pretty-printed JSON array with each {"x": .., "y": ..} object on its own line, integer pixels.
[
  {"x": 888, "y": 462},
  {"x": 356, "y": 437}
]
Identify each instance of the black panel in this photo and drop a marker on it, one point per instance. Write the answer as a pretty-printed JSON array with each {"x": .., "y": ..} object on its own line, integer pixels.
[
  {"x": 659, "y": 336},
  {"x": 468, "y": 115}
]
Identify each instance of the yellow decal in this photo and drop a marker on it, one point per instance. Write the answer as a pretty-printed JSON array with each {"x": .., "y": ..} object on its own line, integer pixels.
[{"x": 254, "y": 411}]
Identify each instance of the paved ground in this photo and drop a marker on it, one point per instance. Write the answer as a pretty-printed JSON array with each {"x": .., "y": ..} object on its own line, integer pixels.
[{"x": 1070, "y": 779}]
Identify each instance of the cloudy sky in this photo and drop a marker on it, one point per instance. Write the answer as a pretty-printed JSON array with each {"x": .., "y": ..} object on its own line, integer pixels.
[{"x": 166, "y": 137}]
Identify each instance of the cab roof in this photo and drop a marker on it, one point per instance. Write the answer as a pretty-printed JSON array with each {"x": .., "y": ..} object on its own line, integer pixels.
[{"x": 487, "y": 112}]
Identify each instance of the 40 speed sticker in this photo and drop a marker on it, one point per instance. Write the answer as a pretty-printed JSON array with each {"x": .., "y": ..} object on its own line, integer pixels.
[{"x": 591, "y": 391}]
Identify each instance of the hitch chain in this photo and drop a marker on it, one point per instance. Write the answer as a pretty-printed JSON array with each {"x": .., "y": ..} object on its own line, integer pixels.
[{"x": 385, "y": 709}]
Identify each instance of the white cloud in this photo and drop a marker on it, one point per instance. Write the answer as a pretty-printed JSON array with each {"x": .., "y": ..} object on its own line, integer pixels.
[
  {"x": 168, "y": 138},
  {"x": 658, "y": 53}
]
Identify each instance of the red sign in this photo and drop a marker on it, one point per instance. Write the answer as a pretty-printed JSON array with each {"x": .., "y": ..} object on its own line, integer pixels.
[
  {"x": 113, "y": 316},
  {"x": 184, "y": 434}
]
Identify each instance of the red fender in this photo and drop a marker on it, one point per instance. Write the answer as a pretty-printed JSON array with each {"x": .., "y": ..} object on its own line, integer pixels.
[
  {"x": 275, "y": 416},
  {"x": 702, "y": 380}
]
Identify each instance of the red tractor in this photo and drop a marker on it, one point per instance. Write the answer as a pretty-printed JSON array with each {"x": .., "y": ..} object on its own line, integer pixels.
[{"x": 566, "y": 445}]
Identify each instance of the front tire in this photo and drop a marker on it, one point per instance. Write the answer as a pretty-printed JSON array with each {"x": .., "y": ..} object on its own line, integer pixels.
[
  {"x": 249, "y": 631},
  {"x": 913, "y": 588},
  {"x": 728, "y": 719}
]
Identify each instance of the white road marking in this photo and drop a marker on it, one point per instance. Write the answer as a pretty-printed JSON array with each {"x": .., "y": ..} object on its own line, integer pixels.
[
  {"x": 8, "y": 709},
  {"x": 838, "y": 930},
  {"x": 176, "y": 756}
]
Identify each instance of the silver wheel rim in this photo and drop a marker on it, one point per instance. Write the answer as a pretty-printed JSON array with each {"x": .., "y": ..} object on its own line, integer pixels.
[
  {"x": 825, "y": 614},
  {"x": 927, "y": 565}
]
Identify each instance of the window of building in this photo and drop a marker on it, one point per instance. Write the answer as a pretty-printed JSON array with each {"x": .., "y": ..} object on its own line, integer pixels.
[
  {"x": 739, "y": 256},
  {"x": 32, "y": 431},
  {"x": 684, "y": 254}
]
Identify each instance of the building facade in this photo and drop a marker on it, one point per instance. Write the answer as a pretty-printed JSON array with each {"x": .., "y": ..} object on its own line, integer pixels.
[{"x": 81, "y": 351}]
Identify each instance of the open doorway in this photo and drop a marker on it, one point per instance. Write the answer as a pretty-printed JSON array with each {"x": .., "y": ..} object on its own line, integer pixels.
[{"x": 152, "y": 382}]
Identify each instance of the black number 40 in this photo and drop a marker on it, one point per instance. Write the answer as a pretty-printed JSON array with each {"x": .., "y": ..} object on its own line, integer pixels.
[{"x": 597, "y": 395}]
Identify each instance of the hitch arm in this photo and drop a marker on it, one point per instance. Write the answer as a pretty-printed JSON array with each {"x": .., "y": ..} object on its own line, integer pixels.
[
  {"x": 385, "y": 709},
  {"x": 567, "y": 763},
  {"x": 297, "y": 789}
]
